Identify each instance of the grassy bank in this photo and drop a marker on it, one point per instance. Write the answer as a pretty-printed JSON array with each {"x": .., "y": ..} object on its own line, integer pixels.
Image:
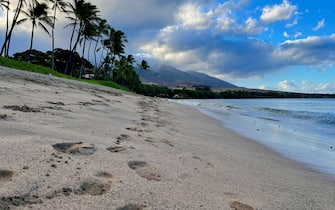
[{"x": 11, "y": 63}]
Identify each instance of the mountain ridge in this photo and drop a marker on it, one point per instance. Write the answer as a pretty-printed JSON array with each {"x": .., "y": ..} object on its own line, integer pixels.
[{"x": 170, "y": 76}]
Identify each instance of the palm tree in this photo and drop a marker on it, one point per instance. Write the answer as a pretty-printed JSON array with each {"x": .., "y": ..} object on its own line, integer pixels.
[
  {"x": 83, "y": 13},
  {"x": 4, "y": 4},
  {"x": 6, "y": 44},
  {"x": 37, "y": 13},
  {"x": 115, "y": 45},
  {"x": 102, "y": 30},
  {"x": 88, "y": 33},
  {"x": 61, "y": 6},
  {"x": 143, "y": 66}
]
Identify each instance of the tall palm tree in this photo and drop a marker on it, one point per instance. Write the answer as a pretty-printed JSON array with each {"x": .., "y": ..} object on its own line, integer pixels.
[
  {"x": 81, "y": 14},
  {"x": 102, "y": 30},
  {"x": 88, "y": 33},
  {"x": 60, "y": 5},
  {"x": 37, "y": 13},
  {"x": 4, "y": 5},
  {"x": 6, "y": 44},
  {"x": 143, "y": 66},
  {"x": 115, "y": 43}
]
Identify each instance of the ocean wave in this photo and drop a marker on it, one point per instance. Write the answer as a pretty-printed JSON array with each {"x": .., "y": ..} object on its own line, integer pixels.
[{"x": 318, "y": 117}]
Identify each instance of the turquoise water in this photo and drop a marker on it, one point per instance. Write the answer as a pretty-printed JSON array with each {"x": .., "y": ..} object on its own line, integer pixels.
[{"x": 299, "y": 129}]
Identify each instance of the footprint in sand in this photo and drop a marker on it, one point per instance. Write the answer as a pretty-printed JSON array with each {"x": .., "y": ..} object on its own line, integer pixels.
[
  {"x": 116, "y": 149},
  {"x": 93, "y": 187},
  {"x": 134, "y": 129},
  {"x": 235, "y": 204},
  {"x": 165, "y": 141},
  {"x": 123, "y": 137},
  {"x": 144, "y": 170},
  {"x": 5, "y": 175},
  {"x": 19, "y": 200},
  {"x": 5, "y": 117},
  {"x": 75, "y": 148},
  {"x": 105, "y": 175},
  {"x": 131, "y": 207},
  {"x": 23, "y": 108}
]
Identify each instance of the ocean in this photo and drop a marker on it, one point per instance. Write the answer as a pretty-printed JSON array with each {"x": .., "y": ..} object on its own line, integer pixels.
[{"x": 299, "y": 129}]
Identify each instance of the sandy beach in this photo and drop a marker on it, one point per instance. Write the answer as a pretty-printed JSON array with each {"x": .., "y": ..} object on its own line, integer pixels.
[{"x": 71, "y": 145}]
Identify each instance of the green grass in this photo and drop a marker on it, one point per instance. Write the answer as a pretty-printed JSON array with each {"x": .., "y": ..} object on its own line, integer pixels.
[{"x": 11, "y": 63}]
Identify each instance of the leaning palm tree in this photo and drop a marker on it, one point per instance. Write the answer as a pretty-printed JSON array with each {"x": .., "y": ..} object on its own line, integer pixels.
[
  {"x": 102, "y": 30},
  {"x": 4, "y": 5},
  {"x": 37, "y": 13},
  {"x": 9, "y": 31},
  {"x": 60, "y": 5}
]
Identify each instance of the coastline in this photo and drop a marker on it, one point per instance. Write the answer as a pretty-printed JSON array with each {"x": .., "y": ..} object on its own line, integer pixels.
[{"x": 135, "y": 151}]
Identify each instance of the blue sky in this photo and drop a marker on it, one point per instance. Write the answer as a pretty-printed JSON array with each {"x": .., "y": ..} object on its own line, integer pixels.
[{"x": 274, "y": 44}]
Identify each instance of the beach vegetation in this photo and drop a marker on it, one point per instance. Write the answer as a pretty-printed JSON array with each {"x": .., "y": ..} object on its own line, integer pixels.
[{"x": 87, "y": 28}]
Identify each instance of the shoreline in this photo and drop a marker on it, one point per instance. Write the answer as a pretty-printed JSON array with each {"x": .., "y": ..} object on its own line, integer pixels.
[
  {"x": 82, "y": 146},
  {"x": 260, "y": 129}
]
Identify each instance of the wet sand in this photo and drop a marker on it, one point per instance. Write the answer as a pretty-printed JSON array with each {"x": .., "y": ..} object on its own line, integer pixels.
[{"x": 71, "y": 145}]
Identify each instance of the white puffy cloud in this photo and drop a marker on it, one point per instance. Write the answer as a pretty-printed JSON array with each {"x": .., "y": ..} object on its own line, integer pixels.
[
  {"x": 191, "y": 16},
  {"x": 287, "y": 85},
  {"x": 252, "y": 26},
  {"x": 306, "y": 87},
  {"x": 278, "y": 12},
  {"x": 285, "y": 34},
  {"x": 312, "y": 50},
  {"x": 320, "y": 25}
]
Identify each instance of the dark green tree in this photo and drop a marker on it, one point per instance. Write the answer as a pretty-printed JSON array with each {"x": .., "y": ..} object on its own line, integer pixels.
[
  {"x": 37, "y": 13},
  {"x": 57, "y": 5},
  {"x": 124, "y": 73}
]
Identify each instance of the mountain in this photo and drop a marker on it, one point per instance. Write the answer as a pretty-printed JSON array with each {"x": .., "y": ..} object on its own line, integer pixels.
[{"x": 172, "y": 77}]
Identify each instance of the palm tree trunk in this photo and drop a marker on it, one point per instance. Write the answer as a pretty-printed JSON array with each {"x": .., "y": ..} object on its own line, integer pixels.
[
  {"x": 32, "y": 36},
  {"x": 53, "y": 40},
  {"x": 7, "y": 26},
  {"x": 6, "y": 43},
  {"x": 89, "y": 50},
  {"x": 72, "y": 34},
  {"x": 31, "y": 42},
  {"x": 70, "y": 49},
  {"x": 82, "y": 59}
]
